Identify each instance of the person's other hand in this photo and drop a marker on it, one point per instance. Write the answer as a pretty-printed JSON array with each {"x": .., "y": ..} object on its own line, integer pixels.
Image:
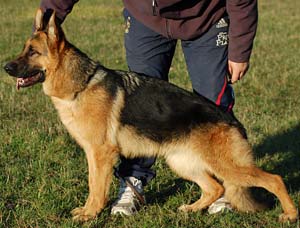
[{"x": 237, "y": 71}]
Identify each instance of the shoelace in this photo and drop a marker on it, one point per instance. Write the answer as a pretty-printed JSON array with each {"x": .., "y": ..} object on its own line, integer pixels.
[
  {"x": 133, "y": 187},
  {"x": 126, "y": 195}
]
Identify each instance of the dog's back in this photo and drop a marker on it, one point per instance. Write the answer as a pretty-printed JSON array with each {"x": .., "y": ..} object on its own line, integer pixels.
[{"x": 160, "y": 110}]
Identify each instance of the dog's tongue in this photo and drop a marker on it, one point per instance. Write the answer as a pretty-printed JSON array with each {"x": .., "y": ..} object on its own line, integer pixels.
[
  {"x": 20, "y": 82},
  {"x": 23, "y": 82}
]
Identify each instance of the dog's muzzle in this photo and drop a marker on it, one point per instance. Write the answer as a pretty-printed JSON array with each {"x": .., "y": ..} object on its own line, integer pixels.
[{"x": 26, "y": 79}]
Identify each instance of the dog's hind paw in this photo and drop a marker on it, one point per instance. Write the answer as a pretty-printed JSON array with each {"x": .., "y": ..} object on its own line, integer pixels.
[
  {"x": 83, "y": 214},
  {"x": 185, "y": 208},
  {"x": 288, "y": 217}
]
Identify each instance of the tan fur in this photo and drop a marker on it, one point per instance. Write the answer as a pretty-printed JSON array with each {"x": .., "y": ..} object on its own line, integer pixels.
[
  {"x": 92, "y": 132},
  {"x": 215, "y": 156}
]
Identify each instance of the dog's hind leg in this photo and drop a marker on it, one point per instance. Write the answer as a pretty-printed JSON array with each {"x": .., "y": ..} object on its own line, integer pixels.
[
  {"x": 100, "y": 161},
  {"x": 253, "y": 176},
  {"x": 228, "y": 156},
  {"x": 188, "y": 166},
  {"x": 211, "y": 191}
]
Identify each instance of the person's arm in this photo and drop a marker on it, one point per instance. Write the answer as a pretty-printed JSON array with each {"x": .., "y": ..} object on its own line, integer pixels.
[
  {"x": 61, "y": 7},
  {"x": 243, "y": 15}
]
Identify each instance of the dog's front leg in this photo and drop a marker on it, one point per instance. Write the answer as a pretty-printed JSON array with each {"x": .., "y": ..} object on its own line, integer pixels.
[{"x": 100, "y": 161}]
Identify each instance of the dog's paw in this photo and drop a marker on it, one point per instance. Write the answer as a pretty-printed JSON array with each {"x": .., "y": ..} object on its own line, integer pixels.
[
  {"x": 83, "y": 214},
  {"x": 185, "y": 208},
  {"x": 288, "y": 217}
]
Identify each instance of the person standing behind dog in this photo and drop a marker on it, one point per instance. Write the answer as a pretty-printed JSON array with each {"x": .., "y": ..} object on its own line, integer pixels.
[{"x": 216, "y": 38}]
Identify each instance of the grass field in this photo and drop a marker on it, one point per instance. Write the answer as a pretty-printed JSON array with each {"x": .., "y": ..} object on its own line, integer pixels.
[{"x": 43, "y": 173}]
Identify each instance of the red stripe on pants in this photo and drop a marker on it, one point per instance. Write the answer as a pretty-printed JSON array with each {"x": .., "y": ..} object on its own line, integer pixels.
[{"x": 218, "y": 101}]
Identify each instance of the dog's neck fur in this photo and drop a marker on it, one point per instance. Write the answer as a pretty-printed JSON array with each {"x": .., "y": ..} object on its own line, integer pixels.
[{"x": 79, "y": 68}]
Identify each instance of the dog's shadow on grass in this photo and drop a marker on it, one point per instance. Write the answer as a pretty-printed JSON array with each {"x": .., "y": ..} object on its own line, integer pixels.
[
  {"x": 280, "y": 154},
  {"x": 169, "y": 188}
]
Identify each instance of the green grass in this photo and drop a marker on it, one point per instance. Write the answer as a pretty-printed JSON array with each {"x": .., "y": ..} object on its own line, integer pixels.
[{"x": 43, "y": 173}]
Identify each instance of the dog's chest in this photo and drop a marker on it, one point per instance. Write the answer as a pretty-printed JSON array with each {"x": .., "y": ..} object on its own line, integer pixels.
[
  {"x": 83, "y": 120},
  {"x": 69, "y": 115},
  {"x": 66, "y": 110}
]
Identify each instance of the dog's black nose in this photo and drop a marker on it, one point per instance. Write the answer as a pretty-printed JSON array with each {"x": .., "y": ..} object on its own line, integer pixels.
[{"x": 11, "y": 68}]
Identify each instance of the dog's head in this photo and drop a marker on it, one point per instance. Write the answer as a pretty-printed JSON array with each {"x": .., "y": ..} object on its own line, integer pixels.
[{"x": 39, "y": 54}]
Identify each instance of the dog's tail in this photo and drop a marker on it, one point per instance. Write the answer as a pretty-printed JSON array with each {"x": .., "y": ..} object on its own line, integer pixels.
[{"x": 241, "y": 198}]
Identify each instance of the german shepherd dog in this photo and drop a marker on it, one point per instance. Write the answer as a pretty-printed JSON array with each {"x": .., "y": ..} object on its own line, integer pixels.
[{"x": 111, "y": 113}]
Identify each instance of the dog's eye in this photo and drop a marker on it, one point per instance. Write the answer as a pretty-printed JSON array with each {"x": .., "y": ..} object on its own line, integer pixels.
[{"x": 32, "y": 52}]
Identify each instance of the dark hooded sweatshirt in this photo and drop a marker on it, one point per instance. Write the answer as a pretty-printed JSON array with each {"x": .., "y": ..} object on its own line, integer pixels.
[{"x": 188, "y": 19}]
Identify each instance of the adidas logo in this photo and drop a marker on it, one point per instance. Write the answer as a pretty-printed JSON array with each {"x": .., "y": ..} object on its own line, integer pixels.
[{"x": 222, "y": 23}]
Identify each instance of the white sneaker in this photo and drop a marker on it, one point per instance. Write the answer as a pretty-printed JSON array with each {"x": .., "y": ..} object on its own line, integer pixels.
[
  {"x": 220, "y": 205},
  {"x": 131, "y": 197}
]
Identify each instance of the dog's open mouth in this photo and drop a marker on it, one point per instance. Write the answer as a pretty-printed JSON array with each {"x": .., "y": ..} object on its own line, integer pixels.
[{"x": 36, "y": 77}]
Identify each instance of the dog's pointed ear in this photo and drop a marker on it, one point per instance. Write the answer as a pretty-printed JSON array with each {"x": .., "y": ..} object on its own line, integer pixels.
[
  {"x": 38, "y": 23},
  {"x": 52, "y": 31}
]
